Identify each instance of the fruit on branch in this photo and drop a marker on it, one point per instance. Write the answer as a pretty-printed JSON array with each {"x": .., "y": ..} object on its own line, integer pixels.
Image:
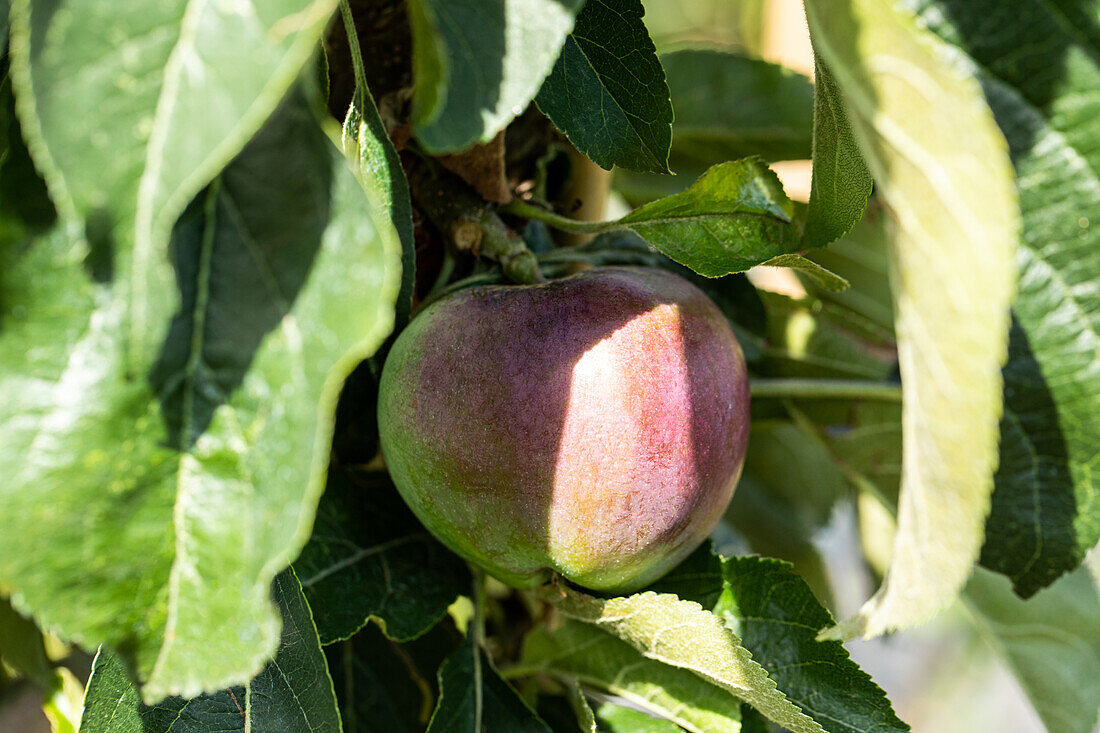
[{"x": 593, "y": 426}]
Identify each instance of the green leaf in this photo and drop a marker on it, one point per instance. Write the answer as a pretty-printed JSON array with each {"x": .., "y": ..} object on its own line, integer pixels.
[
  {"x": 607, "y": 91},
  {"x": 154, "y": 492},
  {"x": 641, "y": 188},
  {"x": 806, "y": 341},
  {"x": 730, "y": 106},
  {"x": 1046, "y": 507},
  {"x": 375, "y": 160},
  {"x": 1040, "y": 523},
  {"x": 861, "y": 258},
  {"x": 586, "y": 719},
  {"x": 473, "y": 698},
  {"x": 25, "y": 206},
  {"x": 841, "y": 183},
  {"x": 292, "y": 694},
  {"x": 369, "y": 557},
  {"x": 130, "y": 110},
  {"x": 736, "y": 297},
  {"x": 1051, "y": 643},
  {"x": 943, "y": 169},
  {"x": 385, "y": 686},
  {"x": 734, "y": 217},
  {"x": 773, "y": 529},
  {"x": 63, "y": 701},
  {"x": 685, "y": 635},
  {"x": 823, "y": 277},
  {"x": 478, "y": 63},
  {"x": 870, "y": 447},
  {"x": 568, "y": 713},
  {"x": 713, "y": 22},
  {"x": 777, "y": 617},
  {"x": 753, "y": 722},
  {"x": 619, "y": 719},
  {"x": 21, "y": 645},
  {"x": 796, "y": 467},
  {"x": 584, "y": 653},
  {"x": 430, "y": 62}
]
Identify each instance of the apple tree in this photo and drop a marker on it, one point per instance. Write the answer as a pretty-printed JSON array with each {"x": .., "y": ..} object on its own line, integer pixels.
[{"x": 386, "y": 365}]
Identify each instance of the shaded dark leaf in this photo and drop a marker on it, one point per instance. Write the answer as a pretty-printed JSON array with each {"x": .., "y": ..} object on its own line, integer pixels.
[
  {"x": 497, "y": 706},
  {"x": 293, "y": 693},
  {"x": 607, "y": 91},
  {"x": 369, "y": 557}
]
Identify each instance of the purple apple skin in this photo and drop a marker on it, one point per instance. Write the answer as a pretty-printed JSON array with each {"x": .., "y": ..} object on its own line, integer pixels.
[{"x": 593, "y": 426}]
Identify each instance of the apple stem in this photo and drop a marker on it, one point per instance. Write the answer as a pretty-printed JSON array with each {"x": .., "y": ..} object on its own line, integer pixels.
[
  {"x": 469, "y": 222},
  {"x": 519, "y": 207},
  {"x": 846, "y": 389},
  {"x": 478, "y": 632}
]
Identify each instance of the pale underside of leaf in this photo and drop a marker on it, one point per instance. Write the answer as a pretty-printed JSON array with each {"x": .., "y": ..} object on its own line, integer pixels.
[
  {"x": 943, "y": 169},
  {"x": 597, "y": 659},
  {"x": 683, "y": 634},
  {"x": 166, "y": 555},
  {"x": 1046, "y": 508},
  {"x": 160, "y": 128},
  {"x": 206, "y": 491}
]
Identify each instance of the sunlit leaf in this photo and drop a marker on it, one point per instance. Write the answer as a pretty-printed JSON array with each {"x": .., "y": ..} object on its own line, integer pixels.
[
  {"x": 157, "y": 484},
  {"x": 620, "y": 719},
  {"x": 583, "y": 653},
  {"x": 736, "y": 216},
  {"x": 1046, "y": 507},
  {"x": 942, "y": 167},
  {"x": 685, "y": 635},
  {"x": 777, "y": 618},
  {"x": 478, "y": 63},
  {"x": 131, "y": 108}
]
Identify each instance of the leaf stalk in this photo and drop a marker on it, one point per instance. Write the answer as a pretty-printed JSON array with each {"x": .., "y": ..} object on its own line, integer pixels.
[{"x": 843, "y": 389}]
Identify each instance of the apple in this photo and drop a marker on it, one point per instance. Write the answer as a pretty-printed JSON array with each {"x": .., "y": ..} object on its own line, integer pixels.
[{"x": 593, "y": 426}]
